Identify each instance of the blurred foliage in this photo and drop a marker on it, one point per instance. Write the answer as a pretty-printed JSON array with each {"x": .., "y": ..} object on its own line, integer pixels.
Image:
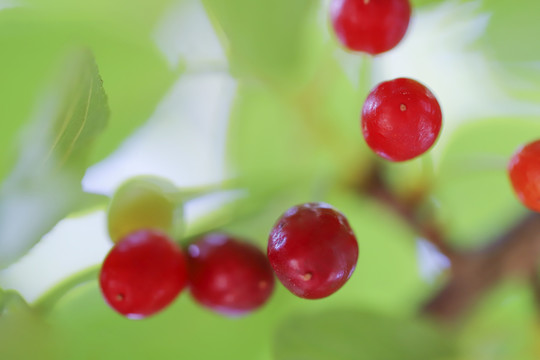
[
  {"x": 36, "y": 37},
  {"x": 503, "y": 326},
  {"x": 350, "y": 334},
  {"x": 472, "y": 185},
  {"x": 45, "y": 185},
  {"x": 293, "y": 137},
  {"x": 276, "y": 41}
]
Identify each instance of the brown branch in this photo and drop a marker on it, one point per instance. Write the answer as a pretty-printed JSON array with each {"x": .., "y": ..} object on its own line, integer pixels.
[
  {"x": 515, "y": 253},
  {"x": 406, "y": 209}
]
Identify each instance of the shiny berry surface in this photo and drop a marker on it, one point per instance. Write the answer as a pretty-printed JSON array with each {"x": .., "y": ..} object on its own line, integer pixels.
[
  {"x": 313, "y": 250},
  {"x": 229, "y": 276},
  {"x": 524, "y": 173},
  {"x": 401, "y": 119},
  {"x": 143, "y": 273},
  {"x": 370, "y": 26}
]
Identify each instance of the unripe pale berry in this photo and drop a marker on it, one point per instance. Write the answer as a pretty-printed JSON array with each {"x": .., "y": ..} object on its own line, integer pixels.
[
  {"x": 312, "y": 250},
  {"x": 144, "y": 202},
  {"x": 401, "y": 119}
]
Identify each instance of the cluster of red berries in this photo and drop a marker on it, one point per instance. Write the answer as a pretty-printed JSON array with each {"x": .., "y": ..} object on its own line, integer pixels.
[{"x": 311, "y": 249}]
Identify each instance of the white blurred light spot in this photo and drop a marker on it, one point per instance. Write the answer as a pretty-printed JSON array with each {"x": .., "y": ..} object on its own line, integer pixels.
[
  {"x": 185, "y": 33},
  {"x": 71, "y": 246},
  {"x": 431, "y": 261},
  {"x": 184, "y": 141}
]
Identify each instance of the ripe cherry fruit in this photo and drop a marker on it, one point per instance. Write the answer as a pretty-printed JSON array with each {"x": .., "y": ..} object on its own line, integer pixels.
[
  {"x": 313, "y": 250},
  {"x": 524, "y": 173},
  {"x": 229, "y": 276},
  {"x": 401, "y": 119},
  {"x": 143, "y": 273},
  {"x": 371, "y": 26}
]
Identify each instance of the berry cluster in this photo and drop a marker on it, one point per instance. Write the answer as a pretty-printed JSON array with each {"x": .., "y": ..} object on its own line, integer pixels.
[{"x": 311, "y": 249}]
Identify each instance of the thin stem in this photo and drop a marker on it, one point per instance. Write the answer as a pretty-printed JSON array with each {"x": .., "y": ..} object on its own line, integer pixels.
[{"x": 48, "y": 301}]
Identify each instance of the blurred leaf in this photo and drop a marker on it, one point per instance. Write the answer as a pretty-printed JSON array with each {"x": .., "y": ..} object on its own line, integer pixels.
[
  {"x": 134, "y": 71},
  {"x": 352, "y": 334},
  {"x": 45, "y": 184},
  {"x": 277, "y": 41},
  {"x": 268, "y": 143},
  {"x": 472, "y": 187},
  {"x": 503, "y": 326},
  {"x": 23, "y": 334},
  {"x": 511, "y": 32},
  {"x": 89, "y": 329},
  {"x": 277, "y": 140}
]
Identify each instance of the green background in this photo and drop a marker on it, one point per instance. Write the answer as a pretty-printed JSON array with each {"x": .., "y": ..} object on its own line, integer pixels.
[{"x": 292, "y": 137}]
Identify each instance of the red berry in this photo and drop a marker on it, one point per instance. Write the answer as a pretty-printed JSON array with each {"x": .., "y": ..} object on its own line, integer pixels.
[
  {"x": 524, "y": 172},
  {"x": 313, "y": 250},
  {"x": 371, "y": 26},
  {"x": 143, "y": 273},
  {"x": 229, "y": 276},
  {"x": 401, "y": 119}
]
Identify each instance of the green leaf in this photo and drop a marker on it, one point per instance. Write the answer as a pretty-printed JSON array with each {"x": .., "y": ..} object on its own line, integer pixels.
[
  {"x": 472, "y": 187},
  {"x": 276, "y": 41},
  {"x": 45, "y": 185},
  {"x": 503, "y": 326},
  {"x": 23, "y": 334},
  {"x": 511, "y": 32},
  {"x": 34, "y": 39},
  {"x": 277, "y": 140},
  {"x": 353, "y": 334},
  {"x": 88, "y": 328}
]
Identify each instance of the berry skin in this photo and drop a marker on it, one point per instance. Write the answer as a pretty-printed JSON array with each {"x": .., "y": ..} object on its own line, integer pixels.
[
  {"x": 371, "y": 26},
  {"x": 229, "y": 276},
  {"x": 524, "y": 173},
  {"x": 401, "y": 119},
  {"x": 143, "y": 273},
  {"x": 313, "y": 250},
  {"x": 143, "y": 202}
]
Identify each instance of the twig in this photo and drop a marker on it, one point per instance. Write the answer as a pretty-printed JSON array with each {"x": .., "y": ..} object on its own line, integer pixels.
[{"x": 514, "y": 253}]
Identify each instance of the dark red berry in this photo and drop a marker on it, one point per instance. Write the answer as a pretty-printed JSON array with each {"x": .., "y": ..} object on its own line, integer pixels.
[
  {"x": 524, "y": 172},
  {"x": 143, "y": 273},
  {"x": 401, "y": 119},
  {"x": 371, "y": 26},
  {"x": 313, "y": 250},
  {"x": 229, "y": 276}
]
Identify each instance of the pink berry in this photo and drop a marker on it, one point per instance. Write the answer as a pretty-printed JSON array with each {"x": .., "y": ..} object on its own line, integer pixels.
[
  {"x": 313, "y": 250},
  {"x": 524, "y": 173},
  {"x": 401, "y": 119},
  {"x": 143, "y": 273},
  {"x": 371, "y": 26},
  {"x": 229, "y": 276}
]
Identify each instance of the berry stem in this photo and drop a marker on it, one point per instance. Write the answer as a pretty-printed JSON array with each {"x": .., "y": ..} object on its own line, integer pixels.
[{"x": 47, "y": 301}]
